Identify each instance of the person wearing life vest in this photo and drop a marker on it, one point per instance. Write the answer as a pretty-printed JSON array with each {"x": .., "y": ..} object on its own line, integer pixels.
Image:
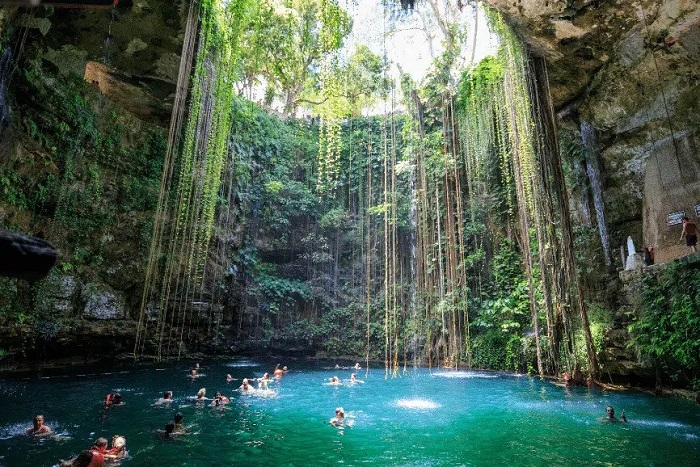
[
  {"x": 98, "y": 450},
  {"x": 690, "y": 232},
  {"x": 113, "y": 400}
]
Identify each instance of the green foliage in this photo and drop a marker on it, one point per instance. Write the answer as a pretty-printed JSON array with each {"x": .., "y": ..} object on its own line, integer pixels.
[
  {"x": 667, "y": 330},
  {"x": 276, "y": 294}
]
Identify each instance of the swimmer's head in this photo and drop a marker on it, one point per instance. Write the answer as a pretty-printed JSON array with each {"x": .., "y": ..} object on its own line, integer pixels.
[
  {"x": 178, "y": 417},
  {"x": 202, "y": 392},
  {"x": 119, "y": 442},
  {"x": 169, "y": 427},
  {"x": 38, "y": 420},
  {"x": 610, "y": 411},
  {"x": 101, "y": 442},
  {"x": 284, "y": 368},
  {"x": 339, "y": 412}
]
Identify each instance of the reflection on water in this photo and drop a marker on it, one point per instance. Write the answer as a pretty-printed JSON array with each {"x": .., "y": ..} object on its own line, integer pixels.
[
  {"x": 420, "y": 418},
  {"x": 465, "y": 374}
]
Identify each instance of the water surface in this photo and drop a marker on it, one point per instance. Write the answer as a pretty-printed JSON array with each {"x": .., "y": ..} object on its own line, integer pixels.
[{"x": 420, "y": 418}]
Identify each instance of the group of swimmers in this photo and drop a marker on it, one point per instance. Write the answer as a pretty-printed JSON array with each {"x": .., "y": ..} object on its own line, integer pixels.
[{"x": 99, "y": 453}]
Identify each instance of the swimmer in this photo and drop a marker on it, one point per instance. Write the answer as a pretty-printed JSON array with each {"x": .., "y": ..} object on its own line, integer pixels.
[
  {"x": 334, "y": 381},
  {"x": 178, "y": 427},
  {"x": 246, "y": 386},
  {"x": 38, "y": 429},
  {"x": 263, "y": 382},
  {"x": 610, "y": 415},
  {"x": 354, "y": 380},
  {"x": 193, "y": 374},
  {"x": 98, "y": 450},
  {"x": 114, "y": 399},
  {"x": 357, "y": 366},
  {"x": 229, "y": 378},
  {"x": 339, "y": 419},
  {"x": 168, "y": 431},
  {"x": 84, "y": 459},
  {"x": 202, "y": 394},
  {"x": 285, "y": 370},
  {"x": 118, "y": 449},
  {"x": 166, "y": 399},
  {"x": 220, "y": 398},
  {"x": 279, "y": 372}
]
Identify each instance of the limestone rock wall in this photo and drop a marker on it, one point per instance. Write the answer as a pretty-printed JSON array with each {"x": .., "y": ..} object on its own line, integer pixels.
[{"x": 631, "y": 69}]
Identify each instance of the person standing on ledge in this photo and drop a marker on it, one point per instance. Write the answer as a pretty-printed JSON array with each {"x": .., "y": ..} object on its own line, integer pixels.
[{"x": 690, "y": 232}]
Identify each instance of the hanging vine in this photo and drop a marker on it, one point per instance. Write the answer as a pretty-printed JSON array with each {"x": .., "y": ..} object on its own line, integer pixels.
[{"x": 191, "y": 179}]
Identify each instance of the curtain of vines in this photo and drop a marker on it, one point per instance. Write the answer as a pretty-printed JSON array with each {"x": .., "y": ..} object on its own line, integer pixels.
[
  {"x": 506, "y": 118},
  {"x": 191, "y": 180}
]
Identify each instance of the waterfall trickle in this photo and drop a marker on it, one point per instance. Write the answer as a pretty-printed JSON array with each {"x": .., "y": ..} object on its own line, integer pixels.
[{"x": 590, "y": 143}]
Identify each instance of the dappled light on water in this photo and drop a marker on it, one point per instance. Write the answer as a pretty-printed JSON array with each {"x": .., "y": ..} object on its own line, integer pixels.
[{"x": 419, "y": 404}]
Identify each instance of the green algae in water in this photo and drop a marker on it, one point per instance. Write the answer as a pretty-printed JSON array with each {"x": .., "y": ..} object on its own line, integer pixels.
[{"x": 420, "y": 418}]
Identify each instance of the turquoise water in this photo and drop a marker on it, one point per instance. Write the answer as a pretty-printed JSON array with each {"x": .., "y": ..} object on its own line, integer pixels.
[{"x": 421, "y": 418}]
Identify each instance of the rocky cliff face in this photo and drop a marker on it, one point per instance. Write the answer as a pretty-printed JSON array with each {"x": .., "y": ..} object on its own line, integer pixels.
[{"x": 631, "y": 70}]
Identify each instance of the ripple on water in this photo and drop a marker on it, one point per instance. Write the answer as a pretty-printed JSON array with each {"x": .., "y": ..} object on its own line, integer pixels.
[{"x": 416, "y": 404}]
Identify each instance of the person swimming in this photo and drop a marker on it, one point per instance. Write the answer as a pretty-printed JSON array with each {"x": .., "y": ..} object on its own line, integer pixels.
[
  {"x": 357, "y": 366},
  {"x": 279, "y": 372},
  {"x": 334, "y": 381},
  {"x": 98, "y": 450},
  {"x": 166, "y": 399},
  {"x": 38, "y": 428},
  {"x": 354, "y": 380},
  {"x": 610, "y": 415},
  {"x": 246, "y": 386},
  {"x": 178, "y": 427},
  {"x": 194, "y": 374},
  {"x": 84, "y": 459},
  {"x": 169, "y": 430},
  {"x": 113, "y": 400},
  {"x": 118, "y": 449},
  {"x": 201, "y": 394},
  {"x": 229, "y": 378},
  {"x": 222, "y": 399},
  {"x": 339, "y": 419},
  {"x": 263, "y": 382}
]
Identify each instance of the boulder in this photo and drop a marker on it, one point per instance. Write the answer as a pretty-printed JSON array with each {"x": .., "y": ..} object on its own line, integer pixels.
[{"x": 25, "y": 257}]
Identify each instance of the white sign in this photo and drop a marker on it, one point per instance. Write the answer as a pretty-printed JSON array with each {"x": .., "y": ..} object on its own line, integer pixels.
[{"x": 675, "y": 218}]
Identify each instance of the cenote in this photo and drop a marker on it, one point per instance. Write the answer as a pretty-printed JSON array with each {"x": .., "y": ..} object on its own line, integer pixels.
[
  {"x": 501, "y": 186},
  {"x": 420, "y": 417}
]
